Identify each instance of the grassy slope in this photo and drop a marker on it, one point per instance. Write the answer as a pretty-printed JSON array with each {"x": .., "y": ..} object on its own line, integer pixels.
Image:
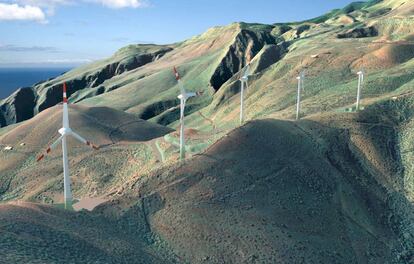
[
  {"x": 368, "y": 154},
  {"x": 123, "y": 150},
  {"x": 230, "y": 204},
  {"x": 196, "y": 60},
  {"x": 227, "y": 205},
  {"x": 33, "y": 233}
]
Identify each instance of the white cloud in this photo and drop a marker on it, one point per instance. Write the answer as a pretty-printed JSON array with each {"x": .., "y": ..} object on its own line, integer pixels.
[
  {"x": 44, "y": 3},
  {"x": 38, "y": 10},
  {"x": 16, "y": 12},
  {"x": 49, "y": 5},
  {"x": 116, "y": 4}
]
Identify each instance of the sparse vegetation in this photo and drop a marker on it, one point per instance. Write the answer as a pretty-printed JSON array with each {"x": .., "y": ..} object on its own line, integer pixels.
[{"x": 335, "y": 187}]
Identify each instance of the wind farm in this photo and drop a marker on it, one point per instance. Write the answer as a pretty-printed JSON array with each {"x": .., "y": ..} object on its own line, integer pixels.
[{"x": 248, "y": 143}]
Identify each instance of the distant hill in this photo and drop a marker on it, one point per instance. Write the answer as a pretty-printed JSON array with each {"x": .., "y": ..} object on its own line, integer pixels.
[{"x": 138, "y": 78}]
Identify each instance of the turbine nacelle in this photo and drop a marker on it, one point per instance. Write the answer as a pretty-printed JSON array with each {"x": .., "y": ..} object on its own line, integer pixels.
[
  {"x": 189, "y": 95},
  {"x": 301, "y": 76},
  {"x": 245, "y": 78},
  {"x": 246, "y": 74},
  {"x": 65, "y": 131}
]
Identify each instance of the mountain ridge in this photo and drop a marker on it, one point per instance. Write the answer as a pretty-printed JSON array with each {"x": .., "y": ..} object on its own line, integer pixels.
[{"x": 336, "y": 186}]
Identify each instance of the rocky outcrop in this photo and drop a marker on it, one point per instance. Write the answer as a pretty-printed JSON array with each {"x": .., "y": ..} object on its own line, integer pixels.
[
  {"x": 26, "y": 102},
  {"x": 158, "y": 108},
  {"x": 269, "y": 55},
  {"x": 280, "y": 29},
  {"x": 246, "y": 45},
  {"x": 362, "y": 32},
  {"x": 96, "y": 78},
  {"x": 18, "y": 107}
]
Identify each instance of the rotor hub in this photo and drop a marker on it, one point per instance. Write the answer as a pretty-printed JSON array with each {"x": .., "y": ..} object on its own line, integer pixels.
[{"x": 65, "y": 131}]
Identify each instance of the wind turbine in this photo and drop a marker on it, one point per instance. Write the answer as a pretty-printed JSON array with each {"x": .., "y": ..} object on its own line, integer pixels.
[
  {"x": 360, "y": 81},
  {"x": 64, "y": 132},
  {"x": 244, "y": 79},
  {"x": 183, "y": 99},
  {"x": 300, "y": 79}
]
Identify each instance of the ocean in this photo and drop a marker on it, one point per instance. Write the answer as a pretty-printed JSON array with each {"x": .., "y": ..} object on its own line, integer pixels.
[{"x": 13, "y": 78}]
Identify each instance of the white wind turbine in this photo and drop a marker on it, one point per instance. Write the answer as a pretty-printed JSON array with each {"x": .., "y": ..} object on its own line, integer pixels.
[
  {"x": 64, "y": 132},
  {"x": 183, "y": 99},
  {"x": 244, "y": 83},
  {"x": 300, "y": 79},
  {"x": 360, "y": 82}
]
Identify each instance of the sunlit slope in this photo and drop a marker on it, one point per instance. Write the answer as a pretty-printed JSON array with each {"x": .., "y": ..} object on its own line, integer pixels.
[
  {"x": 31, "y": 100},
  {"x": 204, "y": 62},
  {"x": 92, "y": 76},
  {"x": 121, "y": 138},
  {"x": 330, "y": 65},
  {"x": 148, "y": 88}
]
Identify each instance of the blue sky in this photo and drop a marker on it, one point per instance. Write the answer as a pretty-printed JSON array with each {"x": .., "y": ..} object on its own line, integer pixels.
[{"x": 70, "y": 32}]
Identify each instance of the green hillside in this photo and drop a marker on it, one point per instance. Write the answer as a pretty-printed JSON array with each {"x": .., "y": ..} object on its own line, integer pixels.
[{"x": 336, "y": 186}]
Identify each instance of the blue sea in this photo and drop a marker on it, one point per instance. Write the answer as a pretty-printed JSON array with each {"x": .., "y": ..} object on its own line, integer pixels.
[{"x": 13, "y": 78}]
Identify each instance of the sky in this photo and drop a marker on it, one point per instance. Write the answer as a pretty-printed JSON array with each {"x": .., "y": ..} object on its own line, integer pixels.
[{"x": 55, "y": 33}]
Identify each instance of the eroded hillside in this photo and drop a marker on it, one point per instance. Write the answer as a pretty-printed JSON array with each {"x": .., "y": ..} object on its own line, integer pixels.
[{"x": 334, "y": 187}]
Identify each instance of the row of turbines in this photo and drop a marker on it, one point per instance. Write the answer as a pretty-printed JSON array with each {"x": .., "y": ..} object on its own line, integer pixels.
[
  {"x": 66, "y": 131},
  {"x": 244, "y": 85},
  {"x": 301, "y": 87}
]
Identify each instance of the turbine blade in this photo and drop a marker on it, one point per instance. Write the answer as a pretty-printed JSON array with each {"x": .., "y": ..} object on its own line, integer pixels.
[
  {"x": 65, "y": 98},
  {"x": 178, "y": 78},
  {"x": 247, "y": 71},
  {"x": 182, "y": 109},
  {"x": 49, "y": 149},
  {"x": 193, "y": 94},
  {"x": 177, "y": 75},
  {"x": 65, "y": 118},
  {"x": 84, "y": 141},
  {"x": 182, "y": 90}
]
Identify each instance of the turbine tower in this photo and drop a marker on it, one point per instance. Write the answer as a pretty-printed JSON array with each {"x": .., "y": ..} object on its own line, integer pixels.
[
  {"x": 360, "y": 81},
  {"x": 244, "y": 79},
  {"x": 64, "y": 132},
  {"x": 183, "y": 99},
  {"x": 300, "y": 79}
]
